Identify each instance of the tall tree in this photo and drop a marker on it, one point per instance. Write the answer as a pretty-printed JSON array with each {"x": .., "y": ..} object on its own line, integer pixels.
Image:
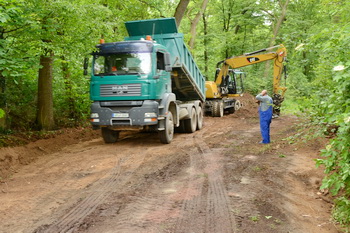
[
  {"x": 180, "y": 11},
  {"x": 227, "y": 8},
  {"x": 50, "y": 29},
  {"x": 205, "y": 42},
  {"x": 60, "y": 29},
  {"x": 277, "y": 21},
  {"x": 195, "y": 21},
  {"x": 45, "y": 118}
]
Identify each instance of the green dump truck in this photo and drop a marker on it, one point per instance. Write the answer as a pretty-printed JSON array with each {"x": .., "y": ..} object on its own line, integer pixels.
[{"x": 149, "y": 81}]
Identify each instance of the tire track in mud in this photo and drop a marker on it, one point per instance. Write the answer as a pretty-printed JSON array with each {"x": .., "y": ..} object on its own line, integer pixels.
[
  {"x": 208, "y": 210},
  {"x": 71, "y": 221},
  {"x": 76, "y": 215}
]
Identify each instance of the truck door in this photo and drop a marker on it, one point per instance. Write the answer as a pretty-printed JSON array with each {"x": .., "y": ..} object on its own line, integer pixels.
[{"x": 163, "y": 85}]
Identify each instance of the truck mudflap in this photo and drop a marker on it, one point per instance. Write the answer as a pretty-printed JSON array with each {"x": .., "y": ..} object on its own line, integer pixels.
[{"x": 119, "y": 114}]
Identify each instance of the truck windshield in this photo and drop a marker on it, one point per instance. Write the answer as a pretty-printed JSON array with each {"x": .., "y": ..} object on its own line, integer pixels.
[{"x": 122, "y": 64}]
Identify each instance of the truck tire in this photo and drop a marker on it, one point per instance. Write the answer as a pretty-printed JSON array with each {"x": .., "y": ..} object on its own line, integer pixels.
[
  {"x": 214, "y": 107},
  {"x": 191, "y": 124},
  {"x": 180, "y": 128},
  {"x": 166, "y": 135},
  {"x": 231, "y": 110},
  {"x": 218, "y": 109},
  {"x": 199, "y": 118},
  {"x": 109, "y": 136}
]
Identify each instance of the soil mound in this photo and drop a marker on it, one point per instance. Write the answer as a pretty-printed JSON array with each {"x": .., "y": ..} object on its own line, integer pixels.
[
  {"x": 249, "y": 106},
  {"x": 10, "y": 157}
]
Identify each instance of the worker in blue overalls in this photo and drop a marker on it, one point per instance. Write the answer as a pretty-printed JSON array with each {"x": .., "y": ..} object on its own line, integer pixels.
[{"x": 265, "y": 115}]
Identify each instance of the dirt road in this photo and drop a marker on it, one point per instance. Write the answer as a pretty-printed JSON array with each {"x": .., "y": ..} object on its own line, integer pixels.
[{"x": 218, "y": 179}]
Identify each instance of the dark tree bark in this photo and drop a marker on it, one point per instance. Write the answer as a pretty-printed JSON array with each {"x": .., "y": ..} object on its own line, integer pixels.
[
  {"x": 68, "y": 86},
  {"x": 2, "y": 101},
  {"x": 2, "y": 87},
  {"x": 45, "y": 118},
  {"x": 226, "y": 18},
  {"x": 180, "y": 11},
  {"x": 206, "y": 58}
]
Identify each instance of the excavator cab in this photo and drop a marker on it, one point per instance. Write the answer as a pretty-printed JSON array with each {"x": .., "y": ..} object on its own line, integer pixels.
[
  {"x": 232, "y": 83},
  {"x": 236, "y": 85}
]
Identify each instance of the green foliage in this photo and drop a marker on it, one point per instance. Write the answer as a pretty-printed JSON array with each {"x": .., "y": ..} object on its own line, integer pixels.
[
  {"x": 337, "y": 168},
  {"x": 341, "y": 211},
  {"x": 334, "y": 110},
  {"x": 2, "y": 113},
  {"x": 320, "y": 87}
]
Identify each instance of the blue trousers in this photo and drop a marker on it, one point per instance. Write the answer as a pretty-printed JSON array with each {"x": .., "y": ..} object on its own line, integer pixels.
[{"x": 265, "y": 121}]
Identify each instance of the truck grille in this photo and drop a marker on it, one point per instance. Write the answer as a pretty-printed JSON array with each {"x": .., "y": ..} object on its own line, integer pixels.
[{"x": 109, "y": 90}]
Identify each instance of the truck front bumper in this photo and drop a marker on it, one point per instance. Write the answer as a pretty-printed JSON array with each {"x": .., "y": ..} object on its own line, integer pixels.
[{"x": 124, "y": 114}]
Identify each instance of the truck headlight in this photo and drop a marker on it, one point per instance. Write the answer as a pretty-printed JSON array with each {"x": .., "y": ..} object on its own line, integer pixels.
[
  {"x": 150, "y": 114},
  {"x": 150, "y": 117},
  {"x": 94, "y": 115}
]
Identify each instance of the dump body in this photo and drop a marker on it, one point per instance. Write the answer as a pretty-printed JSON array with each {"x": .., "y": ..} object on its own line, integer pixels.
[
  {"x": 146, "y": 84},
  {"x": 188, "y": 83}
]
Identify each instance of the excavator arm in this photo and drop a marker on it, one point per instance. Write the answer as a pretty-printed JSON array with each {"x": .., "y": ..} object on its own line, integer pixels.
[{"x": 278, "y": 56}]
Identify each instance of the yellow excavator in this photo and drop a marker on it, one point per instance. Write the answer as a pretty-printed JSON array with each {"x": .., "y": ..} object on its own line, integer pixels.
[{"x": 221, "y": 94}]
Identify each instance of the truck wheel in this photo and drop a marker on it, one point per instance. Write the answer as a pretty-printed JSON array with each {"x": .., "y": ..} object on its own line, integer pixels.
[
  {"x": 199, "y": 118},
  {"x": 181, "y": 128},
  {"x": 191, "y": 124},
  {"x": 166, "y": 135},
  {"x": 237, "y": 105},
  {"x": 214, "y": 109},
  {"x": 218, "y": 109},
  {"x": 109, "y": 136}
]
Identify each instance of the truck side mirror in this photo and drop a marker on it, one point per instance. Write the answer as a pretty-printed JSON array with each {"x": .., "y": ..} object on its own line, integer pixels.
[
  {"x": 168, "y": 66},
  {"x": 86, "y": 64}
]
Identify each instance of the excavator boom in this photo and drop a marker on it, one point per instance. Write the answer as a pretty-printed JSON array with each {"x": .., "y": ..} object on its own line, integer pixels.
[{"x": 247, "y": 59}]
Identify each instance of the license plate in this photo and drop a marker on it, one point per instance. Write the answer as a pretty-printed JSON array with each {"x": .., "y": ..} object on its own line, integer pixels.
[{"x": 120, "y": 115}]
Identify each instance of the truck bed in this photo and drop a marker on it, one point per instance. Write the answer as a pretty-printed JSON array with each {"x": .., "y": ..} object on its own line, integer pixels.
[{"x": 188, "y": 83}]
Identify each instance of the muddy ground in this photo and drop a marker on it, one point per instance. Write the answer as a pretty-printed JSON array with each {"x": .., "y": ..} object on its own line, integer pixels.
[{"x": 218, "y": 179}]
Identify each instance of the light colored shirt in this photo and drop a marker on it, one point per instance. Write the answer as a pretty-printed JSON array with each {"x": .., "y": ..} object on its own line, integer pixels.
[{"x": 265, "y": 101}]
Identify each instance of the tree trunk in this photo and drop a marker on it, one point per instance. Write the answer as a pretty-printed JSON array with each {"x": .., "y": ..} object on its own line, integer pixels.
[
  {"x": 276, "y": 28},
  {"x": 194, "y": 23},
  {"x": 206, "y": 58},
  {"x": 2, "y": 89},
  {"x": 68, "y": 86},
  {"x": 280, "y": 20},
  {"x": 180, "y": 11},
  {"x": 226, "y": 19},
  {"x": 45, "y": 118},
  {"x": 2, "y": 101}
]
